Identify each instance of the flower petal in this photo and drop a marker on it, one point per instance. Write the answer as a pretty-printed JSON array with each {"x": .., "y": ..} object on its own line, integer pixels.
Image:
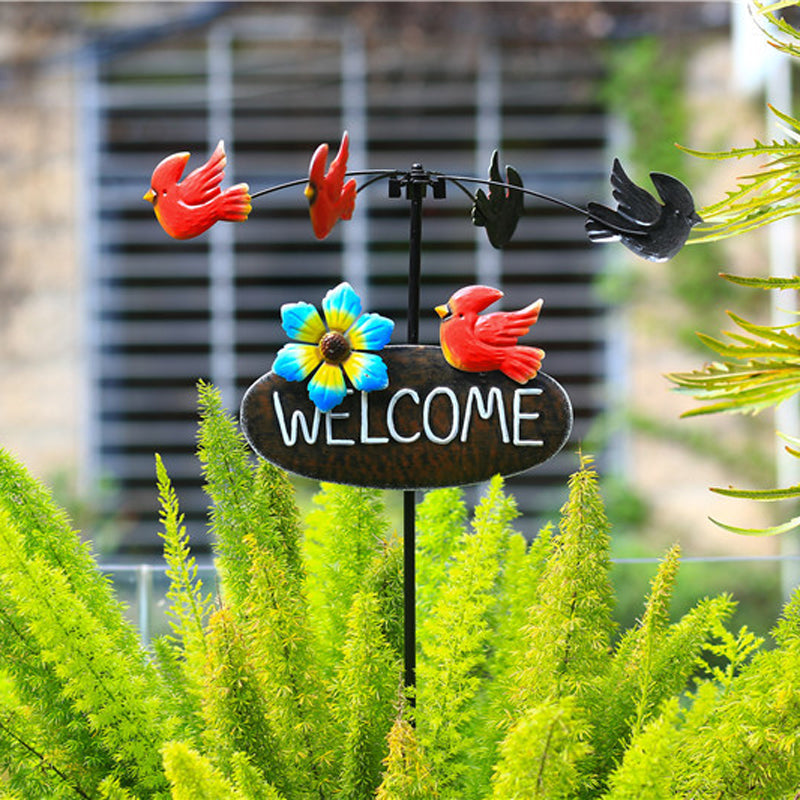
[
  {"x": 366, "y": 372},
  {"x": 370, "y": 332},
  {"x": 342, "y": 307},
  {"x": 302, "y": 321},
  {"x": 326, "y": 387},
  {"x": 295, "y": 362}
]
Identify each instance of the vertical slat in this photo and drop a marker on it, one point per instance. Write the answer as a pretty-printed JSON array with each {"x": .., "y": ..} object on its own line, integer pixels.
[
  {"x": 90, "y": 137},
  {"x": 618, "y": 389},
  {"x": 489, "y": 136},
  {"x": 355, "y": 235},
  {"x": 783, "y": 264},
  {"x": 221, "y": 266}
]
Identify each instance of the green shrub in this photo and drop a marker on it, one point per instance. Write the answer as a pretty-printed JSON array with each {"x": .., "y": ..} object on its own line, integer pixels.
[{"x": 287, "y": 685}]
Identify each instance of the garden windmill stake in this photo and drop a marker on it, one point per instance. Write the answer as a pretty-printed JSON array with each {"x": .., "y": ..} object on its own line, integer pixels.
[{"x": 501, "y": 420}]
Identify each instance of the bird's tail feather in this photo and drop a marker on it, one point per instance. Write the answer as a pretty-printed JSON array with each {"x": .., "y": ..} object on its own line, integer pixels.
[
  {"x": 236, "y": 203},
  {"x": 348, "y": 199},
  {"x": 599, "y": 233},
  {"x": 521, "y": 363}
]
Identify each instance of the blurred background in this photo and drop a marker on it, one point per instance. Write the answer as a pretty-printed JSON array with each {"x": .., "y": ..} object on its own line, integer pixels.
[{"x": 106, "y": 324}]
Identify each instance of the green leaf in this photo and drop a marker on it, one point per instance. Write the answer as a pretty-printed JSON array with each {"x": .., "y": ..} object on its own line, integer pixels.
[
  {"x": 346, "y": 536},
  {"x": 767, "y": 495},
  {"x": 774, "y": 333},
  {"x": 762, "y": 283},
  {"x": 773, "y": 531},
  {"x": 763, "y": 196},
  {"x": 407, "y": 775},
  {"x": 766, "y": 370},
  {"x": 771, "y": 8},
  {"x": 793, "y": 440}
]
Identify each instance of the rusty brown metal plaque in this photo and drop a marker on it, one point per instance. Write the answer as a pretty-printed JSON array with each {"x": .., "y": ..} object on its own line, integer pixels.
[{"x": 432, "y": 426}]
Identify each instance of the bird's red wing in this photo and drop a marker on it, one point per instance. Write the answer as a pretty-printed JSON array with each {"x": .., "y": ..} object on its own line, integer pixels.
[
  {"x": 202, "y": 184},
  {"x": 503, "y": 328},
  {"x": 169, "y": 170},
  {"x": 334, "y": 180},
  {"x": 316, "y": 169}
]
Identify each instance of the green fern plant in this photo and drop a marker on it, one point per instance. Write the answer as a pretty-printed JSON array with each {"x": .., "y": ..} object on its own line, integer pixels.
[
  {"x": 347, "y": 547},
  {"x": 759, "y": 366},
  {"x": 83, "y": 700},
  {"x": 287, "y": 684},
  {"x": 770, "y": 193},
  {"x": 762, "y": 197}
]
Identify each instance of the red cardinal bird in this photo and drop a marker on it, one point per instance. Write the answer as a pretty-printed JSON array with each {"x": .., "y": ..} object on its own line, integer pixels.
[
  {"x": 188, "y": 208},
  {"x": 475, "y": 343},
  {"x": 329, "y": 197}
]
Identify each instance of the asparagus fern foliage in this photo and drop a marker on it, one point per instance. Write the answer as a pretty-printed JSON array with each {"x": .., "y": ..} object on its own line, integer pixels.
[
  {"x": 286, "y": 683},
  {"x": 758, "y": 367}
]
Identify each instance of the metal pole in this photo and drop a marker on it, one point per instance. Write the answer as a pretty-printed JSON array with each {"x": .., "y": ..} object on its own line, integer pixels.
[
  {"x": 415, "y": 191},
  {"x": 409, "y": 591}
]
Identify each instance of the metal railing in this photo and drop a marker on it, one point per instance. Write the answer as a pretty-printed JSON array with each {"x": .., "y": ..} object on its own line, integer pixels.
[{"x": 143, "y": 587}]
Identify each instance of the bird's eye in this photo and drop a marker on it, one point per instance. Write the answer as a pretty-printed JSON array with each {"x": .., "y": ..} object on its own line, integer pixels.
[{"x": 461, "y": 316}]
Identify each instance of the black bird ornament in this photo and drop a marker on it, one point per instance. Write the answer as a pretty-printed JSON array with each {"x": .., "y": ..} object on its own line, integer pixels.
[
  {"x": 650, "y": 230},
  {"x": 499, "y": 213}
]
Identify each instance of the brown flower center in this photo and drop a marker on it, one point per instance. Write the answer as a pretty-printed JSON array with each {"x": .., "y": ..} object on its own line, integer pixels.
[{"x": 334, "y": 347}]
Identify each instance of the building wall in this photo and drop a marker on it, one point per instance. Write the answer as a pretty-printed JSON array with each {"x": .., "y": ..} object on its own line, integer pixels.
[
  {"x": 675, "y": 478},
  {"x": 42, "y": 303},
  {"x": 41, "y": 365}
]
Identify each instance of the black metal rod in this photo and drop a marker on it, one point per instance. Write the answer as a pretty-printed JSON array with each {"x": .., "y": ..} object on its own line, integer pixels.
[
  {"x": 409, "y": 593},
  {"x": 373, "y": 174},
  {"x": 414, "y": 263},
  {"x": 458, "y": 180},
  {"x": 278, "y": 187},
  {"x": 416, "y": 191}
]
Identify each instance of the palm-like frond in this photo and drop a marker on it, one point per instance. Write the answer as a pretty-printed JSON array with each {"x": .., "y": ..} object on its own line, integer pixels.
[
  {"x": 760, "y": 370},
  {"x": 773, "y": 191},
  {"x": 767, "y": 195}
]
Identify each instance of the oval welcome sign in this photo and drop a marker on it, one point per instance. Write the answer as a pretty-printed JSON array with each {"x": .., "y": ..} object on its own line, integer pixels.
[{"x": 432, "y": 426}]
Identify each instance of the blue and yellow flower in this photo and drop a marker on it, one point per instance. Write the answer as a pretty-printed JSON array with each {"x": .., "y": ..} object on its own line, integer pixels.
[{"x": 329, "y": 349}]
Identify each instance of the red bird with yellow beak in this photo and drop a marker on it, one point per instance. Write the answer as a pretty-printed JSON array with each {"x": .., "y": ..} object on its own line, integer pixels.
[
  {"x": 329, "y": 197},
  {"x": 474, "y": 343},
  {"x": 186, "y": 208}
]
